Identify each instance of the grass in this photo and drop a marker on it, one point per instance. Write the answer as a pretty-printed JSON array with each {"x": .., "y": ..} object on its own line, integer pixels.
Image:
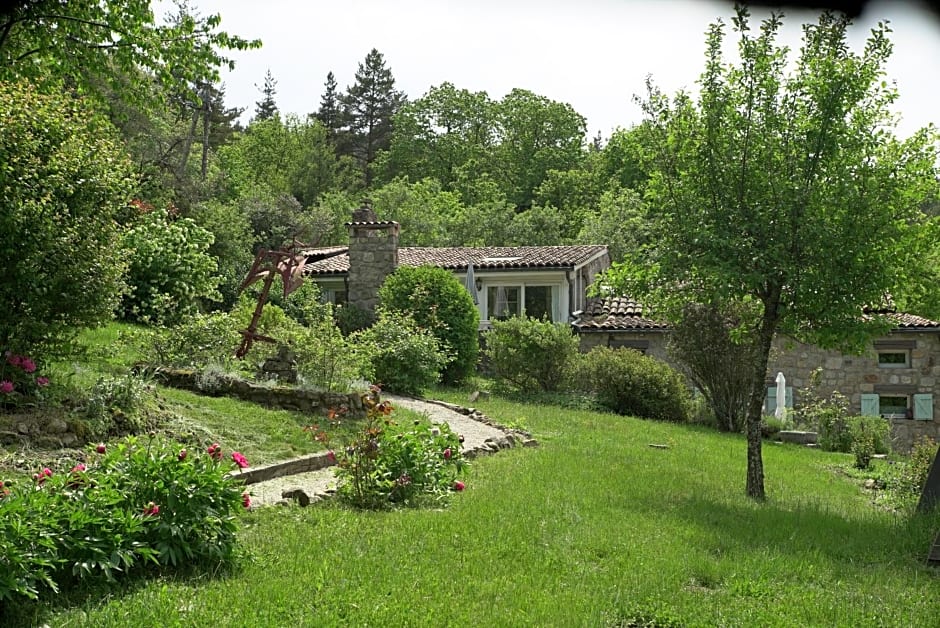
[{"x": 592, "y": 528}]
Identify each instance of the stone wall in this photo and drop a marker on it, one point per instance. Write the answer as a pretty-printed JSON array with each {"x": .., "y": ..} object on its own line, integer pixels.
[
  {"x": 855, "y": 375},
  {"x": 280, "y": 397},
  {"x": 652, "y": 343},
  {"x": 373, "y": 255}
]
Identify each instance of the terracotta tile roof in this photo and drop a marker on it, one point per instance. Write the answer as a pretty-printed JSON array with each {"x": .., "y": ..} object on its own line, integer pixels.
[
  {"x": 625, "y": 314},
  {"x": 615, "y": 314},
  {"x": 336, "y": 259}
]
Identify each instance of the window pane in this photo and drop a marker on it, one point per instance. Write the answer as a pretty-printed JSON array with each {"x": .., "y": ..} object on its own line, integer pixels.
[
  {"x": 892, "y": 358},
  {"x": 502, "y": 301},
  {"x": 538, "y": 302},
  {"x": 893, "y": 405}
]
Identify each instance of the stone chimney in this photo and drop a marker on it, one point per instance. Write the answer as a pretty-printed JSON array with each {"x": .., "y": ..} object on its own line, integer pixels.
[{"x": 373, "y": 255}]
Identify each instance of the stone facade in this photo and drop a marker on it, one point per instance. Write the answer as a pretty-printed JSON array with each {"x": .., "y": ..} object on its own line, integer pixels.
[
  {"x": 373, "y": 255},
  {"x": 858, "y": 375},
  {"x": 651, "y": 343}
]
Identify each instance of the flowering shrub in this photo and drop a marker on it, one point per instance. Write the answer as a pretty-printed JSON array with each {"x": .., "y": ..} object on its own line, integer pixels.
[
  {"x": 20, "y": 383},
  {"x": 389, "y": 463},
  {"x": 127, "y": 505}
]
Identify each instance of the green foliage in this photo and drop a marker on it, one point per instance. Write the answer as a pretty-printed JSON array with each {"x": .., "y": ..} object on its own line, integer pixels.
[
  {"x": 619, "y": 221},
  {"x": 21, "y": 381},
  {"x": 232, "y": 243},
  {"x": 135, "y": 504},
  {"x": 94, "y": 44},
  {"x": 351, "y": 318},
  {"x": 730, "y": 227},
  {"x": 63, "y": 178},
  {"x": 423, "y": 209},
  {"x": 170, "y": 268},
  {"x": 196, "y": 342},
  {"x": 628, "y": 382},
  {"x": 870, "y": 435},
  {"x": 529, "y": 353},
  {"x": 404, "y": 357},
  {"x": 439, "y": 303},
  {"x": 326, "y": 359},
  {"x": 906, "y": 478},
  {"x": 390, "y": 463},
  {"x": 112, "y": 407}
]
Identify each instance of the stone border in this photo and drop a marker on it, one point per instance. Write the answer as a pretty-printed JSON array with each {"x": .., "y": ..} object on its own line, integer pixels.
[{"x": 321, "y": 460}]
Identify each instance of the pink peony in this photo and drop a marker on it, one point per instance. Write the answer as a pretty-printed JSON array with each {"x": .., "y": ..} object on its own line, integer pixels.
[
  {"x": 151, "y": 510},
  {"x": 182, "y": 455},
  {"x": 331, "y": 456},
  {"x": 447, "y": 454},
  {"x": 78, "y": 468},
  {"x": 459, "y": 486},
  {"x": 15, "y": 360},
  {"x": 215, "y": 450},
  {"x": 28, "y": 365},
  {"x": 6, "y": 386},
  {"x": 246, "y": 500},
  {"x": 42, "y": 381},
  {"x": 239, "y": 460}
]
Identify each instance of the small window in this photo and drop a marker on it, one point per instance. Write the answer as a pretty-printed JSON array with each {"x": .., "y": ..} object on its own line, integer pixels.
[
  {"x": 894, "y": 359},
  {"x": 538, "y": 302},
  {"x": 502, "y": 302},
  {"x": 894, "y": 406}
]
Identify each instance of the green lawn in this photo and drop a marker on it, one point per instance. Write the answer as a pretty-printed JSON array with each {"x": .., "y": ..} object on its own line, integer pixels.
[{"x": 592, "y": 528}]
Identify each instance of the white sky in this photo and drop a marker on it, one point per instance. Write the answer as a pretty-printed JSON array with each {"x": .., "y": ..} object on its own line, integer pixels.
[{"x": 592, "y": 54}]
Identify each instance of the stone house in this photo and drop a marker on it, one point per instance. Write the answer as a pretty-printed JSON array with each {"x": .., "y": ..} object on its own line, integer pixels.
[
  {"x": 896, "y": 377},
  {"x": 538, "y": 281}
]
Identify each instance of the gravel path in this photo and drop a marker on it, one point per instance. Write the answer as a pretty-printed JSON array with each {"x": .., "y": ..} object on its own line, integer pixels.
[{"x": 311, "y": 486}]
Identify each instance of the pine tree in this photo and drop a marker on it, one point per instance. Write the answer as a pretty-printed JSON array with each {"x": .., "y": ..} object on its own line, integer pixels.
[
  {"x": 266, "y": 107},
  {"x": 330, "y": 113},
  {"x": 368, "y": 107}
]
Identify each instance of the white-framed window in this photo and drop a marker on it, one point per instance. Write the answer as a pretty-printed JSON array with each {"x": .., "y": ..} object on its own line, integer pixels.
[
  {"x": 535, "y": 301},
  {"x": 894, "y": 358},
  {"x": 898, "y": 406}
]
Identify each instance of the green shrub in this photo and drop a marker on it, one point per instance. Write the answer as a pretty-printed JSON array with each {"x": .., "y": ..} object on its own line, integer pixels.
[
  {"x": 870, "y": 435},
  {"x": 64, "y": 178},
  {"x": 135, "y": 504},
  {"x": 829, "y": 417},
  {"x": 112, "y": 407},
  {"x": 170, "y": 268},
  {"x": 325, "y": 358},
  {"x": 390, "y": 463},
  {"x": 771, "y": 425},
  {"x": 439, "y": 303},
  {"x": 628, "y": 382},
  {"x": 906, "y": 479},
  {"x": 196, "y": 342},
  {"x": 352, "y": 318},
  {"x": 405, "y": 358},
  {"x": 529, "y": 353}
]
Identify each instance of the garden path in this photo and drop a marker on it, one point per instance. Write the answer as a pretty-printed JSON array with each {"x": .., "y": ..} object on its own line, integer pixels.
[{"x": 479, "y": 436}]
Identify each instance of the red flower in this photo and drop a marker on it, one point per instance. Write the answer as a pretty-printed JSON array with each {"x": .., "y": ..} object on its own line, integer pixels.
[
  {"x": 151, "y": 510},
  {"x": 15, "y": 360},
  {"x": 331, "y": 456},
  {"x": 28, "y": 365},
  {"x": 101, "y": 448},
  {"x": 246, "y": 500},
  {"x": 447, "y": 454},
  {"x": 182, "y": 455},
  {"x": 42, "y": 381},
  {"x": 78, "y": 468},
  {"x": 215, "y": 450},
  {"x": 239, "y": 460},
  {"x": 6, "y": 386},
  {"x": 459, "y": 486}
]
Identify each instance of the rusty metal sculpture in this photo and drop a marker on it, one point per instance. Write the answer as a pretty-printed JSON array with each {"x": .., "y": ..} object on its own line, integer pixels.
[{"x": 289, "y": 264}]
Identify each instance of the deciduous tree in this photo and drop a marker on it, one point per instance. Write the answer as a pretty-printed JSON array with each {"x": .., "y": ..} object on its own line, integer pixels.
[{"x": 783, "y": 195}]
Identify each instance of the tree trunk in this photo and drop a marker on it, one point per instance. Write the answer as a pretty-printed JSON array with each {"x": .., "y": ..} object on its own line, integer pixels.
[{"x": 765, "y": 336}]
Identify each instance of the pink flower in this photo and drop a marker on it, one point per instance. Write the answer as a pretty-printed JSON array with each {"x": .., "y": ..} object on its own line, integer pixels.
[
  {"x": 42, "y": 381},
  {"x": 28, "y": 365},
  {"x": 15, "y": 360},
  {"x": 459, "y": 486},
  {"x": 239, "y": 460},
  {"x": 46, "y": 471},
  {"x": 331, "y": 456},
  {"x": 182, "y": 455},
  {"x": 215, "y": 450},
  {"x": 246, "y": 500},
  {"x": 42, "y": 475},
  {"x": 78, "y": 468},
  {"x": 151, "y": 510},
  {"x": 447, "y": 454},
  {"x": 6, "y": 386}
]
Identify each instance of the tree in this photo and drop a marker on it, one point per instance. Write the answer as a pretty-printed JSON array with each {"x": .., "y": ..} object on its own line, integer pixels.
[
  {"x": 266, "y": 108},
  {"x": 90, "y": 44},
  {"x": 368, "y": 107},
  {"x": 783, "y": 196},
  {"x": 330, "y": 113},
  {"x": 63, "y": 179},
  {"x": 620, "y": 221}
]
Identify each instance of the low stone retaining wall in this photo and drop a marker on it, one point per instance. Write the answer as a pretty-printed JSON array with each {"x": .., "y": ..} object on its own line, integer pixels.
[
  {"x": 280, "y": 397},
  {"x": 304, "y": 464}
]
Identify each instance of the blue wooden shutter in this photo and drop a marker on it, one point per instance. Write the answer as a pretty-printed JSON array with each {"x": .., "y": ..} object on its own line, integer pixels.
[
  {"x": 923, "y": 407},
  {"x": 789, "y": 402},
  {"x": 870, "y": 405}
]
